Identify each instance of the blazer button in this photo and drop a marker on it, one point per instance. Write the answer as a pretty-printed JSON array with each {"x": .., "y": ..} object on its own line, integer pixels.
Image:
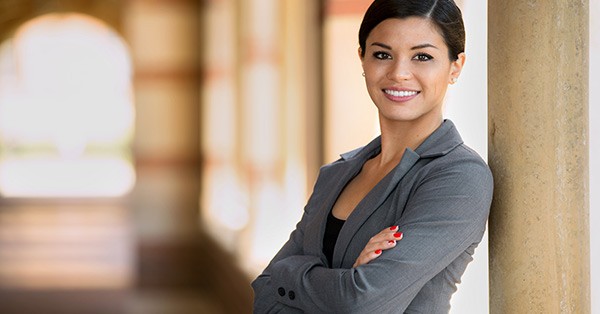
[
  {"x": 291, "y": 295},
  {"x": 281, "y": 291}
]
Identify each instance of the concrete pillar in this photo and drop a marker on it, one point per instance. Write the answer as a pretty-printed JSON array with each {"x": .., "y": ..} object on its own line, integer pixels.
[{"x": 538, "y": 151}]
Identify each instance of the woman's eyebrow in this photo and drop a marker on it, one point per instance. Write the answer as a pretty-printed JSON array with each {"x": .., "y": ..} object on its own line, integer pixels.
[
  {"x": 421, "y": 46},
  {"x": 381, "y": 45}
]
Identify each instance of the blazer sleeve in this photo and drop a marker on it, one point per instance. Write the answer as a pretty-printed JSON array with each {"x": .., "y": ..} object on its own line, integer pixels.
[
  {"x": 264, "y": 300},
  {"x": 445, "y": 215}
]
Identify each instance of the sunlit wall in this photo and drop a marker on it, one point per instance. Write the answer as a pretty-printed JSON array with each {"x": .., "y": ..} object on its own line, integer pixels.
[
  {"x": 259, "y": 96},
  {"x": 466, "y": 105}
]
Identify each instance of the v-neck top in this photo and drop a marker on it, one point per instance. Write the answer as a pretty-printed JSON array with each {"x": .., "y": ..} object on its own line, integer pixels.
[{"x": 332, "y": 231}]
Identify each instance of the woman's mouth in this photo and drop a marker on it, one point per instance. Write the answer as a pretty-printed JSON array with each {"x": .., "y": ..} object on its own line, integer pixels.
[{"x": 400, "y": 95}]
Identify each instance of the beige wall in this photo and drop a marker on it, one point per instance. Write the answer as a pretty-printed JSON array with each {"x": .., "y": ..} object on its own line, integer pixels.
[
  {"x": 350, "y": 116},
  {"x": 466, "y": 105}
]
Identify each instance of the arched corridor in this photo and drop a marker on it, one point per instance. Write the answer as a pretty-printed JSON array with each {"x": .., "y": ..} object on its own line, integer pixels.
[{"x": 234, "y": 107}]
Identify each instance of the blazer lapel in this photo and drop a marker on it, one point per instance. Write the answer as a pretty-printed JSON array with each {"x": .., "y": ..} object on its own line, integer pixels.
[
  {"x": 439, "y": 143},
  {"x": 336, "y": 179},
  {"x": 332, "y": 180},
  {"x": 370, "y": 203}
]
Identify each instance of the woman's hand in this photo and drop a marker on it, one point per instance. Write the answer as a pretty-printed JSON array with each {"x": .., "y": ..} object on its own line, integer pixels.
[{"x": 384, "y": 240}]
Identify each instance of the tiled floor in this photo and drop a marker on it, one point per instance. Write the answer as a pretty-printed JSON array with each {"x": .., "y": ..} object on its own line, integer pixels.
[
  {"x": 110, "y": 302},
  {"x": 88, "y": 261}
]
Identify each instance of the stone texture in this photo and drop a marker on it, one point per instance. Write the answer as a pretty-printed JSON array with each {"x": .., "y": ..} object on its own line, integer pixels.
[{"x": 538, "y": 152}]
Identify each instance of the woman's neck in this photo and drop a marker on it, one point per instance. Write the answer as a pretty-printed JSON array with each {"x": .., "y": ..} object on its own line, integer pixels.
[{"x": 396, "y": 137}]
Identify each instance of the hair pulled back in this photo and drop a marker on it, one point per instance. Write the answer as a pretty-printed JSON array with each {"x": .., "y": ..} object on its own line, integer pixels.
[{"x": 443, "y": 13}]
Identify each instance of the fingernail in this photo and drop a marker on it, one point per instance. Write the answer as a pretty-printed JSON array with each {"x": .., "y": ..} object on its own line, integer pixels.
[
  {"x": 378, "y": 252},
  {"x": 393, "y": 228},
  {"x": 398, "y": 235},
  {"x": 391, "y": 242}
]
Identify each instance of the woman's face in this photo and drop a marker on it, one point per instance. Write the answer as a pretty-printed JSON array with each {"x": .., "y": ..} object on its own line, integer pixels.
[{"x": 407, "y": 70}]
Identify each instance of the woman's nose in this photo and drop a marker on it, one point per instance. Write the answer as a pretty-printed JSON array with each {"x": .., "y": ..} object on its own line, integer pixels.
[{"x": 400, "y": 71}]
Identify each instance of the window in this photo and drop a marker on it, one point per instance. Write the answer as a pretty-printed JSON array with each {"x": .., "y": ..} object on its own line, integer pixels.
[{"x": 66, "y": 110}]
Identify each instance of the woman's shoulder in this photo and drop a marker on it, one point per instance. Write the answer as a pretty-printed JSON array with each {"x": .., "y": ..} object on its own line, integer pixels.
[
  {"x": 465, "y": 153},
  {"x": 463, "y": 162}
]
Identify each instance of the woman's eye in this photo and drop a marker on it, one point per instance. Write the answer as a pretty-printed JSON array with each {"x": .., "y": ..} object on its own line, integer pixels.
[
  {"x": 382, "y": 55},
  {"x": 423, "y": 57}
]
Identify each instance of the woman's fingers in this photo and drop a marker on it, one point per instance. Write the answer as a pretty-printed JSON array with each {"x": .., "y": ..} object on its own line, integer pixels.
[
  {"x": 372, "y": 251},
  {"x": 382, "y": 241},
  {"x": 367, "y": 256},
  {"x": 390, "y": 234}
]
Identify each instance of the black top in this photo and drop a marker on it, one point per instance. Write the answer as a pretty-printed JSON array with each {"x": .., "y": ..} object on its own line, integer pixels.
[{"x": 332, "y": 230}]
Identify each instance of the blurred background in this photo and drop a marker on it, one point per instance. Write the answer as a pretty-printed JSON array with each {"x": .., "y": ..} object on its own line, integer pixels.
[{"x": 155, "y": 154}]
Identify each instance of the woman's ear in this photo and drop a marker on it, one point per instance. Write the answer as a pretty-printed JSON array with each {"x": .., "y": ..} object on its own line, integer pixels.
[
  {"x": 456, "y": 67},
  {"x": 362, "y": 59}
]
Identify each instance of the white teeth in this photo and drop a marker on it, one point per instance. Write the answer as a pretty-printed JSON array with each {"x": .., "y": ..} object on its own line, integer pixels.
[{"x": 397, "y": 93}]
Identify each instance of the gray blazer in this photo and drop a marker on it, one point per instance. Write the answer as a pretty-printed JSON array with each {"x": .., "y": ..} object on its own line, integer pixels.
[{"x": 439, "y": 195}]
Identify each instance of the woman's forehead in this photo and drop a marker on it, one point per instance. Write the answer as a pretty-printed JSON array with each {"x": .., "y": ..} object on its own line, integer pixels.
[{"x": 406, "y": 31}]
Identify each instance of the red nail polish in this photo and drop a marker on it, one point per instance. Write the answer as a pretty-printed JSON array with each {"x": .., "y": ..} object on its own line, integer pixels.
[
  {"x": 397, "y": 234},
  {"x": 378, "y": 252},
  {"x": 391, "y": 241},
  {"x": 393, "y": 228}
]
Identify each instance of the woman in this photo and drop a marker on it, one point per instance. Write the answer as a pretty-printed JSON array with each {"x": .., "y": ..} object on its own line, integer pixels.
[{"x": 391, "y": 227}]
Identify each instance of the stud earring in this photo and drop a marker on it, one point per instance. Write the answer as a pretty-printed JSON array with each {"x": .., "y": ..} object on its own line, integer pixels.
[
  {"x": 363, "y": 74},
  {"x": 453, "y": 80}
]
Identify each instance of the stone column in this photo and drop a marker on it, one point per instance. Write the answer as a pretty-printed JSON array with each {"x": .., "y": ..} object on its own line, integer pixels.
[{"x": 538, "y": 151}]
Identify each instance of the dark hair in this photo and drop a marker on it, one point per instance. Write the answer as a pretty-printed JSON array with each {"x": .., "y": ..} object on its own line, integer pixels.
[{"x": 443, "y": 13}]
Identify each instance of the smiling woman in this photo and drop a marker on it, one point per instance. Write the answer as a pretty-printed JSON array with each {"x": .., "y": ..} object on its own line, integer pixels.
[
  {"x": 391, "y": 227},
  {"x": 66, "y": 111},
  {"x": 407, "y": 71}
]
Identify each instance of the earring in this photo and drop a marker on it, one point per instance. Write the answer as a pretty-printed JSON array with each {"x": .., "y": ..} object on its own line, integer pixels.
[
  {"x": 453, "y": 80},
  {"x": 363, "y": 74}
]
